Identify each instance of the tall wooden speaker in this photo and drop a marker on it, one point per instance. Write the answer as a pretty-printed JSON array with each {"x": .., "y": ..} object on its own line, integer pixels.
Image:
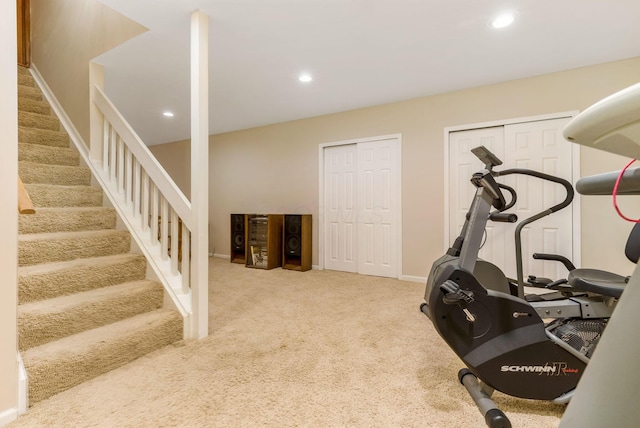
[
  {"x": 296, "y": 243},
  {"x": 238, "y": 238}
]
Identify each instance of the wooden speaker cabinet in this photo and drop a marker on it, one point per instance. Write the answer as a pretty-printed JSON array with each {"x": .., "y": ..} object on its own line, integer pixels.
[
  {"x": 264, "y": 241},
  {"x": 296, "y": 244},
  {"x": 238, "y": 238}
]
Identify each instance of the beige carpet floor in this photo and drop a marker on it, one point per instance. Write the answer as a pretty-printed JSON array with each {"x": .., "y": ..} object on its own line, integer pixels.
[{"x": 292, "y": 349}]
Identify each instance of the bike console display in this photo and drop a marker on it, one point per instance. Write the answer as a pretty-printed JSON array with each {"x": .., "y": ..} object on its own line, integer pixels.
[{"x": 486, "y": 157}]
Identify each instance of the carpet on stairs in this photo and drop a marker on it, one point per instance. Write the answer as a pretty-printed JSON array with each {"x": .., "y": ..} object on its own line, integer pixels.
[{"x": 85, "y": 303}]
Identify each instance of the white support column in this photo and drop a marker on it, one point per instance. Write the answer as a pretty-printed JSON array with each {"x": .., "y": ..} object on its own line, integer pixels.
[
  {"x": 96, "y": 122},
  {"x": 200, "y": 173}
]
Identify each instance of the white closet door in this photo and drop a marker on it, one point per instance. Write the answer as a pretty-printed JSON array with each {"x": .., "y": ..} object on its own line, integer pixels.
[
  {"x": 531, "y": 145},
  {"x": 340, "y": 172},
  {"x": 362, "y": 207},
  {"x": 541, "y": 147},
  {"x": 377, "y": 206}
]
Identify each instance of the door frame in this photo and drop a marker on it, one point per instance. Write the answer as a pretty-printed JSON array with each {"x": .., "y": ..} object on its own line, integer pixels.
[
  {"x": 575, "y": 172},
  {"x": 398, "y": 226},
  {"x": 24, "y": 32}
]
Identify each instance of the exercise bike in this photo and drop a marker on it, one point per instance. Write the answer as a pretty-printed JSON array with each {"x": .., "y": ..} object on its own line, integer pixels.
[{"x": 533, "y": 347}]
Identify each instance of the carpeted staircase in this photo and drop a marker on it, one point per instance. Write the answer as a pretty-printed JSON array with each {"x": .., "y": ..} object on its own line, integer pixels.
[{"x": 85, "y": 306}]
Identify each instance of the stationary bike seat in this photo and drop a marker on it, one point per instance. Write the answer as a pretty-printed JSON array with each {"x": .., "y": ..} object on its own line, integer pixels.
[
  {"x": 601, "y": 281},
  {"x": 597, "y": 281}
]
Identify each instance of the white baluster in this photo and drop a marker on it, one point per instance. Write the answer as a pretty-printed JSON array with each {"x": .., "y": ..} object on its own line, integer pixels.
[
  {"x": 154, "y": 214},
  {"x": 105, "y": 145},
  {"x": 186, "y": 259},
  {"x": 136, "y": 188},
  {"x": 164, "y": 229},
  {"x": 120, "y": 166},
  {"x": 128, "y": 179},
  {"x": 175, "y": 242},
  {"x": 145, "y": 201},
  {"x": 113, "y": 142}
]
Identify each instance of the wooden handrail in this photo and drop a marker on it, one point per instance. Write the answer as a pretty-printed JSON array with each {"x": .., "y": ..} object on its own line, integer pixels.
[{"x": 24, "y": 201}]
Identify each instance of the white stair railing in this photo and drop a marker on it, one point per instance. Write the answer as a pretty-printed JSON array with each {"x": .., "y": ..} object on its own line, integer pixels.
[{"x": 147, "y": 199}]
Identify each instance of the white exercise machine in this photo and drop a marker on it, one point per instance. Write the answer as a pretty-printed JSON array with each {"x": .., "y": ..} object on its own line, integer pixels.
[{"x": 608, "y": 394}]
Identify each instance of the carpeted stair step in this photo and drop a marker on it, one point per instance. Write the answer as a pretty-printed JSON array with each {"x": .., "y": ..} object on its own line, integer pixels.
[
  {"x": 31, "y": 173},
  {"x": 43, "y": 137},
  {"x": 34, "y": 106},
  {"x": 48, "y": 320},
  {"x": 48, "y": 154},
  {"x": 30, "y": 92},
  {"x": 26, "y": 79},
  {"x": 67, "y": 219},
  {"x": 23, "y": 70},
  {"x": 46, "y": 281},
  {"x": 48, "y": 195},
  {"x": 60, "y": 365},
  {"x": 56, "y": 247},
  {"x": 38, "y": 121}
]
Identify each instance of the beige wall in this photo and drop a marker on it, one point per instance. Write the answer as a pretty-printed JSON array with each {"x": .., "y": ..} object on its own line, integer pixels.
[
  {"x": 8, "y": 214},
  {"x": 275, "y": 168},
  {"x": 66, "y": 35},
  {"x": 178, "y": 157}
]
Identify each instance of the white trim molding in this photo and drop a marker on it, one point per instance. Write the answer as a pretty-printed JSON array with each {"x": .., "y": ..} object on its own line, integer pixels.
[
  {"x": 8, "y": 416},
  {"x": 410, "y": 278},
  {"x": 23, "y": 387}
]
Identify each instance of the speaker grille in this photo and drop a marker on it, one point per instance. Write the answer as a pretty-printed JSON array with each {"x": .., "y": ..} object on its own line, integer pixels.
[
  {"x": 293, "y": 245},
  {"x": 238, "y": 241},
  {"x": 292, "y": 235},
  {"x": 237, "y": 233}
]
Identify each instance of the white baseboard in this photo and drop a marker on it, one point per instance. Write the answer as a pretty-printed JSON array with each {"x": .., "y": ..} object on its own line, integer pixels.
[
  {"x": 317, "y": 267},
  {"x": 414, "y": 278},
  {"x": 7, "y": 416},
  {"x": 23, "y": 387},
  {"x": 220, "y": 256}
]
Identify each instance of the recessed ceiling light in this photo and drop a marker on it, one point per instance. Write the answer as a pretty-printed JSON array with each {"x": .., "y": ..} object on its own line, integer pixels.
[
  {"x": 503, "y": 20},
  {"x": 305, "y": 77},
  {"x": 167, "y": 114}
]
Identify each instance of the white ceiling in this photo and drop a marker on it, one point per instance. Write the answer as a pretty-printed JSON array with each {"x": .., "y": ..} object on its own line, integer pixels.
[{"x": 360, "y": 53}]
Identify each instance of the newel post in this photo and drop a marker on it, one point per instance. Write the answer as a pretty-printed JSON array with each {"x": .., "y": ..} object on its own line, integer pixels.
[
  {"x": 200, "y": 173},
  {"x": 96, "y": 120}
]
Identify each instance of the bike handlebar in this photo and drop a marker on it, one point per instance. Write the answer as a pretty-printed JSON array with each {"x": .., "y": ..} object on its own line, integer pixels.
[
  {"x": 564, "y": 183},
  {"x": 567, "y": 200},
  {"x": 503, "y": 217}
]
